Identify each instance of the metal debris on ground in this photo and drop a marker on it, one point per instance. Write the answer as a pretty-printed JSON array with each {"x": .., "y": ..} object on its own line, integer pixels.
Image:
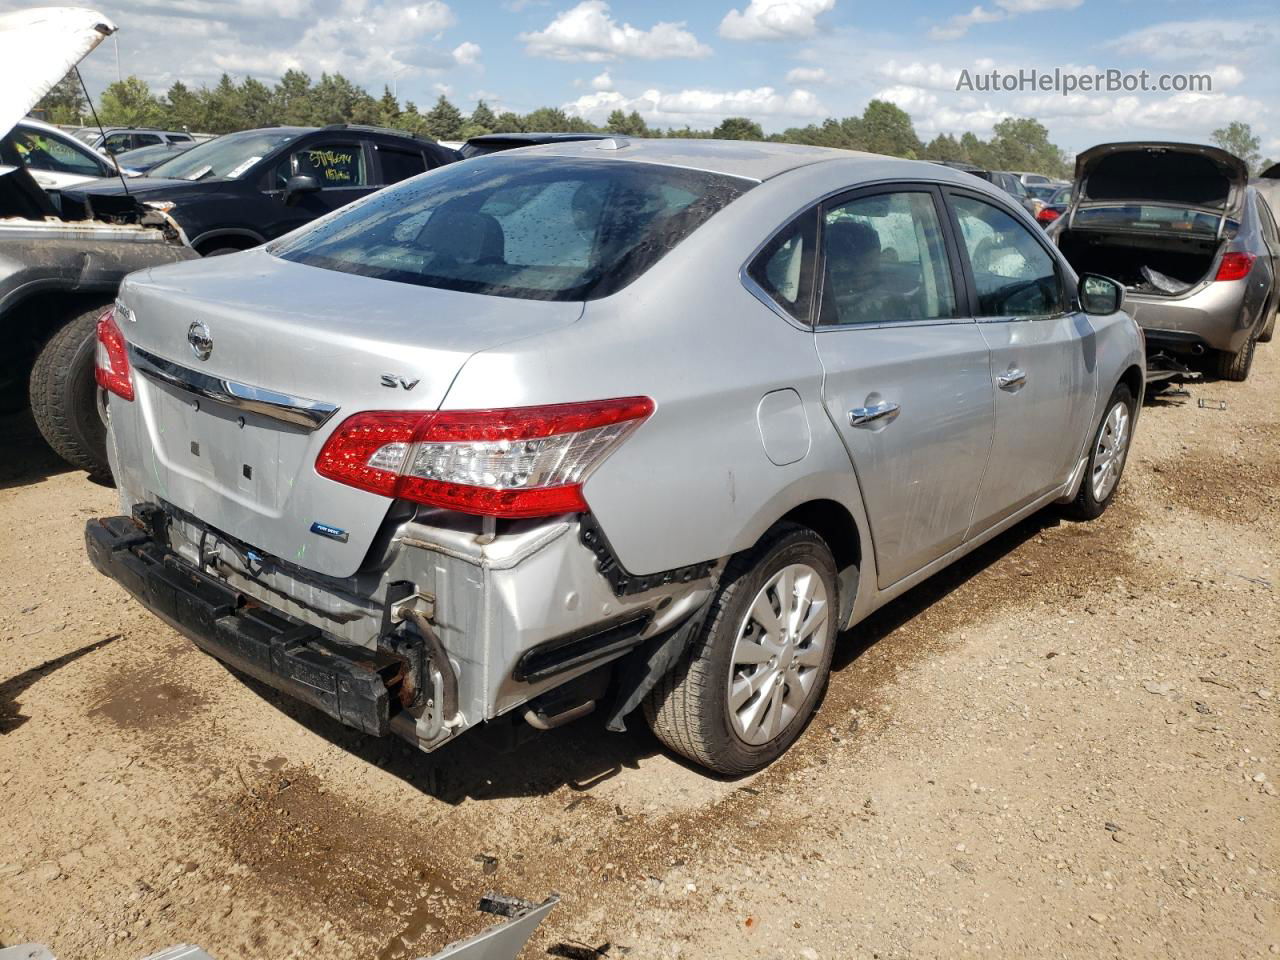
[{"x": 1204, "y": 403}]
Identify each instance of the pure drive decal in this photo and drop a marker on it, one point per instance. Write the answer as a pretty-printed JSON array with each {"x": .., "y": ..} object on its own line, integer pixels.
[{"x": 333, "y": 533}]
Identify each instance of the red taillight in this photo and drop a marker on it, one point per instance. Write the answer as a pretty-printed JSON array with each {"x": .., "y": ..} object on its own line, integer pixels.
[
  {"x": 111, "y": 358},
  {"x": 516, "y": 462},
  {"x": 1235, "y": 266},
  {"x": 1048, "y": 215}
]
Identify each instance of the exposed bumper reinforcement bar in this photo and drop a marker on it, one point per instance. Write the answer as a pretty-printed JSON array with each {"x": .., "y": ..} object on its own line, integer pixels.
[{"x": 355, "y": 685}]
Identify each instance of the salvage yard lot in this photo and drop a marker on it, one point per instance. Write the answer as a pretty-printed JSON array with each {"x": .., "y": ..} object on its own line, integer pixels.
[{"x": 1065, "y": 745}]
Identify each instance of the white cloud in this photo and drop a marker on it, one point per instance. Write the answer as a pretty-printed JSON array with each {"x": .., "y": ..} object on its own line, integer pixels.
[
  {"x": 959, "y": 25},
  {"x": 602, "y": 81},
  {"x": 774, "y": 19},
  {"x": 931, "y": 76},
  {"x": 702, "y": 107},
  {"x": 588, "y": 32},
  {"x": 467, "y": 53},
  {"x": 807, "y": 75},
  {"x": 1198, "y": 39}
]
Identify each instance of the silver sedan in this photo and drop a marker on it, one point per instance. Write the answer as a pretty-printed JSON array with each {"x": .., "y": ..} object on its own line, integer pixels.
[{"x": 614, "y": 425}]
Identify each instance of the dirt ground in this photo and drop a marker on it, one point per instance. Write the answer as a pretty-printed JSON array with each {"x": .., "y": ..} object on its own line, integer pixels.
[{"x": 1065, "y": 746}]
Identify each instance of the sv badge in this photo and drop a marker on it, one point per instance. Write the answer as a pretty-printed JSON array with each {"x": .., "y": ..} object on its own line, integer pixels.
[{"x": 394, "y": 380}]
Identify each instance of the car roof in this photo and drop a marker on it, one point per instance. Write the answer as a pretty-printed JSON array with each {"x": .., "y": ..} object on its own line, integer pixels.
[
  {"x": 42, "y": 126},
  {"x": 750, "y": 159},
  {"x": 535, "y": 138}
]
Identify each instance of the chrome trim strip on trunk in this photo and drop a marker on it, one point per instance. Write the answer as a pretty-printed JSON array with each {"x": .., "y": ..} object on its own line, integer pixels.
[{"x": 299, "y": 411}]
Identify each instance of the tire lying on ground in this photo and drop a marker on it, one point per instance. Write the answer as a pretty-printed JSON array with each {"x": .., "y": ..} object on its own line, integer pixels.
[{"x": 64, "y": 395}]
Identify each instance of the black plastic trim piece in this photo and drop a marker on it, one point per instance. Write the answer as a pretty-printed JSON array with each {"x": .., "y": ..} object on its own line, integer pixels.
[
  {"x": 575, "y": 649},
  {"x": 620, "y": 579}
]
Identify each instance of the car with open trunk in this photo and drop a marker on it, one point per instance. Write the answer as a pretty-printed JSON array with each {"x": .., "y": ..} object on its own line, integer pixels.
[{"x": 1194, "y": 245}]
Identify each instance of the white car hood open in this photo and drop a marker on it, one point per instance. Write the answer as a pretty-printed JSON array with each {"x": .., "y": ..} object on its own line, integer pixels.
[{"x": 37, "y": 48}]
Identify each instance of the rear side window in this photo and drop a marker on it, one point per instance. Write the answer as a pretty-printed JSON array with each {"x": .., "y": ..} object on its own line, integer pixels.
[
  {"x": 39, "y": 151},
  {"x": 1014, "y": 276},
  {"x": 400, "y": 165},
  {"x": 784, "y": 268},
  {"x": 537, "y": 228},
  {"x": 885, "y": 261}
]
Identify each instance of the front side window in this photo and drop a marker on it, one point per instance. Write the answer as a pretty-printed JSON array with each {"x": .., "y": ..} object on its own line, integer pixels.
[
  {"x": 38, "y": 150},
  {"x": 885, "y": 261},
  {"x": 332, "y": 164},
  {"x": 537, "y": 228},
  {"x": 1014, "y": 276},
  {"x": 784, "y": 268}
]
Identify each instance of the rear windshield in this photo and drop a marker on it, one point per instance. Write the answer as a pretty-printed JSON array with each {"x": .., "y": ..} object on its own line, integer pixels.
[
  {"x": 538, "y": 228},
  {"x": 1156, "y": 218}
]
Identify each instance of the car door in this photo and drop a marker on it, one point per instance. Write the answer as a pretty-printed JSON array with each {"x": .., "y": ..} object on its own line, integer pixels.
[
  {"x": 55, "y": 162},
  {"x": 906, "y": 373},
  {"x": 1271, "y": 237},
  {"x": 1043, "y": 354},
  {"x": 342, "y": 167}
]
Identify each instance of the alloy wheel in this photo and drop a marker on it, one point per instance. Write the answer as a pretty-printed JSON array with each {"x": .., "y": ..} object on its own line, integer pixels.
[
  {"x": 778, "y": 654},
  {"x": 1113, "y": 446}
]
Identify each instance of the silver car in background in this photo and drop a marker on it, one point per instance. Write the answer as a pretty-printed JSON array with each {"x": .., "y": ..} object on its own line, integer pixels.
[
  {"x": 601, "y": 426},
  {"x": 1195, "y": 246}
]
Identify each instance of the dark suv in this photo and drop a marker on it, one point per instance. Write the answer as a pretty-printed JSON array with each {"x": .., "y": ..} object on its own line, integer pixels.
[{"x": 245, "y": 188}]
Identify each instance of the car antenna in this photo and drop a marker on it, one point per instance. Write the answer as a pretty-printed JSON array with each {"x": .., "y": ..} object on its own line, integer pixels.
[{"x": 98, "y": 123}]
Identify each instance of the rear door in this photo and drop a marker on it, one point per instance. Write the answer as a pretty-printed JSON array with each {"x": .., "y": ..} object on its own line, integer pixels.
[
  {"x": 907, "y": 375},
  {"x": 1043, "y": 369},
  {"x": 396, "y": 163}
]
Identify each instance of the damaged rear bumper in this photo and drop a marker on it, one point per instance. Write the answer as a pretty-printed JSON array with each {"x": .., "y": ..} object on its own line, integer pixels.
[{"x": 355, "y": 685}]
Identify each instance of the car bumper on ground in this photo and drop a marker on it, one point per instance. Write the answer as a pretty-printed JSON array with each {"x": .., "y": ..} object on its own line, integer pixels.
[{"x": 352, "y": 684}]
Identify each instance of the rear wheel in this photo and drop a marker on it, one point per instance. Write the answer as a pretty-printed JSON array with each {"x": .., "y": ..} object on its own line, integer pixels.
[
  {"x": 64, "y": 399},
  {"x": 1235, "y": 366},
  {"x": 1107, "y": 457},
  {"x": 1269, "y": 330},
  {"x": 753, "y": 676}
]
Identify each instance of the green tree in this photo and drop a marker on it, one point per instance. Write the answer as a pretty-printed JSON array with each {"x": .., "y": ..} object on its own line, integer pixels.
[
  {"x": 335, "y": 99},
  {"x": 483, "y": 118},
  {"x": 292, "y": 96},
  {"x": 1238, "y": 138},
  {"x": 555, "y": 120},
  {"x": 738, "y": 128},
  {"x": 887, "y": 129},
  {"x": 223, "y": 107},
  {"x": 444, "y": 120},
  {"x": 183, "y": 109},
  {"x": 388, "y": 109},
  {"x": 256, "y": 104},
  {"x": 943, "y": 147},
  {"x": 627, "y": 124},
  {"x": 129, "y": 103},
  {"x": 509, "y": 122},
  {"x": 65, "y": 103},
  {"x": 1022, "y": 143}
]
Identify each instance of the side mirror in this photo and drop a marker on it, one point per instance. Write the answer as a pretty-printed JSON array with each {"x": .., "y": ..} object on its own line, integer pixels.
[
  {"x": 298, "y": 185},
  {"x": 1100, "y": 295}
]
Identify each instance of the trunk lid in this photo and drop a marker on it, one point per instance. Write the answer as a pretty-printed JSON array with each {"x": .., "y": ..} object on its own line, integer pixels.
[
  {"x": 208, "y": 435},
  {"x": 1178, "y": 176},
  {"x": 37, "y": 48}
]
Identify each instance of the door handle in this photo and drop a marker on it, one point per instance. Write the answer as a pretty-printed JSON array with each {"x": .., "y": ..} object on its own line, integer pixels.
[
  {"x": 1014, "y": 378},
  {"x": 877, "y": 411}
]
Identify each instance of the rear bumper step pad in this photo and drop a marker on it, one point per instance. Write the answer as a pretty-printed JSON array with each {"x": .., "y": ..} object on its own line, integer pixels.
[{"x": 352, "y": 684}]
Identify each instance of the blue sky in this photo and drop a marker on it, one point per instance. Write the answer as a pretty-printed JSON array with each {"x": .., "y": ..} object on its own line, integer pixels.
[{"x": 782, "y": 62}]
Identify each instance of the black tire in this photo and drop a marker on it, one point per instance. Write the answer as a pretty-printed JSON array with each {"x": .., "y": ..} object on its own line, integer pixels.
[
  {"x": 1234, "y": 366},
  {"x": 689, "y": 709},
  {"x": 64, "y": 399},
  {"x": 1086, "y": 505},
  {"x": 1269, "y": 330}
]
